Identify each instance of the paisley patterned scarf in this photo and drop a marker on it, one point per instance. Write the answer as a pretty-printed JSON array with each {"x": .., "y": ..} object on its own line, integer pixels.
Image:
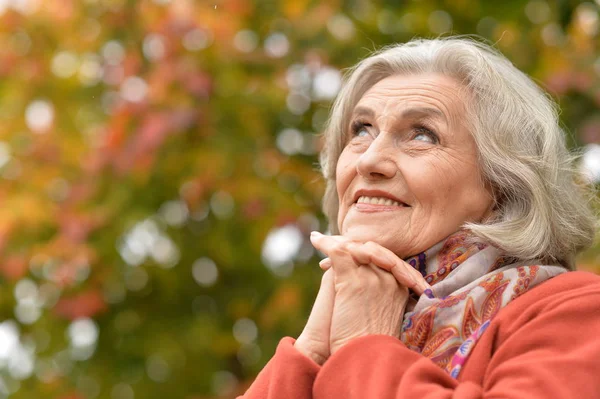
[{"x": 471, "y": 281}]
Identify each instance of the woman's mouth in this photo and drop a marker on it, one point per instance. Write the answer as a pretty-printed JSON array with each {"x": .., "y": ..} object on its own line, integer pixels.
[
  {"x": 374, "y": 204},
  {"x": 377, "y": 201}
]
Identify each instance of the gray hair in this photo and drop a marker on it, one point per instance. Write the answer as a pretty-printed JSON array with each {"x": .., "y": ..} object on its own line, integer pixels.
[{"x": 541, "y": 212}]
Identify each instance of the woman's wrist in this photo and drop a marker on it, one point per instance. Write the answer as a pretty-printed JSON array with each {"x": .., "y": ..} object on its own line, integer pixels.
[{"x": 307, "y": 350}]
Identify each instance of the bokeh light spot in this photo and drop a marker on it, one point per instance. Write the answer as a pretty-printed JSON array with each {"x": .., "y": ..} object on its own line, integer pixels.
[
  {"x": 65, "y": 64},
  {"x": 154, "y": 47},
  {"x": 222, "y": 204},
  {"x": 197, "y": 39},
  {"x": 83, "y": 332},
  {"x": 90, "y": 69},
  {"x": 174, "y": 213},
  {"x": 205, "y": 272},
  {"x": 165, "y": 252},
  {"x": 134, "y": 89},
  {"x": 224, "y": 383},
  {"x": 537, "y": 11},
  {"x": 157, "y": 368},
  {"x": 27, "y": 312},
  {"x": 245, "y": 331},
  {"x": 113, "y": 52},
  {"x": 245, "y": 41},
  {"x": 586, "y": 16},
  {"x": 277, "y": 45},
  {"x": 122, "y": 391},
  {"x": 298, "y": 103},
  {"x": 327, "y": 83},
  {"x": 39, "y": 116},
  {"x": 280, "y": 247},
  {"x": 590, "y": 163},
  {"x": 341, "y": 27},
  {"x": 4, "y": 154},
  {"x": 289, "y": 141}
]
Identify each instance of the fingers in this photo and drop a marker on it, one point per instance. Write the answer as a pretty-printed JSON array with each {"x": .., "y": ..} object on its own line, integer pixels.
[
  {"x": 336, "y": 249},
  {"x": 326, "y": 293},
  {"x": 314, "y": 340},
  {"x": 326, "y": 244},
  {"x": 325, "y": 264},
  {"x": 374, "y": 254},
  {"x": 404, "y": 273},
  {"x": 323, "y": 306},
  {"x": 369, "y": 253}
]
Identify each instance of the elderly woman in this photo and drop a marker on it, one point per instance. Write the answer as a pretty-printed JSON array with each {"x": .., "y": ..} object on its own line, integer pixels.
[{"x": 456, "y": 219}]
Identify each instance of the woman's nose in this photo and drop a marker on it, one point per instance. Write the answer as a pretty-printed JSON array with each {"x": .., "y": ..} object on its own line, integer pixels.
[{"x": 376, "y": 162}]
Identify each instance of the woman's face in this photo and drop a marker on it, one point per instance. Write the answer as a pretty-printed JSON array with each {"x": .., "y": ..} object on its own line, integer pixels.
[{"x": 409, "y": 176}]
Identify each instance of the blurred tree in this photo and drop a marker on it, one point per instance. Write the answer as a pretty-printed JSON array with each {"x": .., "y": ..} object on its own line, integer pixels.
[{"x": 159, "y": 179}]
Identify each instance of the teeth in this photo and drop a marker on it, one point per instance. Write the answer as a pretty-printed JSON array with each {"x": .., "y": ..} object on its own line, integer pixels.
[{"x": 377, "y": 201}]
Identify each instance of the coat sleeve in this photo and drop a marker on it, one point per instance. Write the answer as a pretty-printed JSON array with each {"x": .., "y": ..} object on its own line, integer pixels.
[
  {"x": 553, "y": 352},
  {"x": 289, "y": 374}
]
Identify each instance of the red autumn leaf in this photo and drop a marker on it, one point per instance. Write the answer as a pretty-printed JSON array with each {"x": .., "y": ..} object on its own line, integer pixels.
[
  {"x": 14, "y": 267},
  {"x": 86, "y": 304}
]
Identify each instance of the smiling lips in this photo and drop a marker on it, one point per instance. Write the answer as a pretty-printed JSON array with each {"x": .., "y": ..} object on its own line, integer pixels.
[{"x": 374, "y": 204}]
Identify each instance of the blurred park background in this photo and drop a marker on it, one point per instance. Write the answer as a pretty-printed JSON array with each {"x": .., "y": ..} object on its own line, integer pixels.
[{"x": 158, "y": 173}]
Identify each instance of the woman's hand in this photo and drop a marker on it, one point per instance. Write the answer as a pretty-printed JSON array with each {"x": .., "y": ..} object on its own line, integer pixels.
[
  {"x": 314, "y": 339},
  {"x": 373, "y": 253},
  {"x": 368, "y": 298}
]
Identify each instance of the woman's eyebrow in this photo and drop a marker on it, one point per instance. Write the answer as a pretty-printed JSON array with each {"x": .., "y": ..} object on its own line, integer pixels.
[
  {"x": 424, "y": 112},
  {"x": 364, "y": 111},
  {"x": 412, "y": 113}
]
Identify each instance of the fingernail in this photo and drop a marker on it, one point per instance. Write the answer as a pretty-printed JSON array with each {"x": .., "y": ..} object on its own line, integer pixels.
[
  {"x": 315, "y": 234},
  {"x": 324, "y": 263}
]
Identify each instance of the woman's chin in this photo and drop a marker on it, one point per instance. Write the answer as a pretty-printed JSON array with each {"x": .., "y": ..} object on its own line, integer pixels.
[{"x": 393, "y": 242}]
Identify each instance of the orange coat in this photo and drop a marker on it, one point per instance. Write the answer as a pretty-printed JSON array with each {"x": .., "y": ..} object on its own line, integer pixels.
[{"x": 544, "y": 344}]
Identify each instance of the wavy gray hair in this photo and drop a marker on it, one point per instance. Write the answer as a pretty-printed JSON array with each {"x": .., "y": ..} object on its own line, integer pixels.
[{"x": 541, "y": 212}]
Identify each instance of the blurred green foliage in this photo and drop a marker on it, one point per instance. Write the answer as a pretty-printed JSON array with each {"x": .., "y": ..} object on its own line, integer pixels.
[{"x": 159, "y": 179}]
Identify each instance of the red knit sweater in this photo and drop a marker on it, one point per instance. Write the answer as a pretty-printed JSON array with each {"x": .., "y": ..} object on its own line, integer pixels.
[{"x": 544, "y": 344}]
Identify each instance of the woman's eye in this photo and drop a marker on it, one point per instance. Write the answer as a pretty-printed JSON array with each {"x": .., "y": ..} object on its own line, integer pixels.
[
  {"x": 423, "y": 137},
  {"x": 362, "y": 132},
  {"x": 360, "y": 129},
  {"x": 426, "y": 135}
]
